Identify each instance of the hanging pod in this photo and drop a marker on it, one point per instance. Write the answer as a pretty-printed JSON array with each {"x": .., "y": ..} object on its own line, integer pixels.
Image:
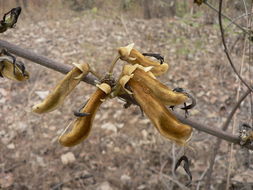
[
  {"x": 143, "y": 75},
  {"x": 63, "y": 89},
  {"x": 82, "y": 125},
  {"x": 165, "y": 122},
  {"x": 10, "y": 19},
  {"x": 133, "y": 56},
  {"x": 12, "y": 71}
]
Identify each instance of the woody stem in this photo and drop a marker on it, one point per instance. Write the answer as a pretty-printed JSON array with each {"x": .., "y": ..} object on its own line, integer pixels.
[
  {"x": 95, "y": 74},
  {"x": 113, "y": 64}
]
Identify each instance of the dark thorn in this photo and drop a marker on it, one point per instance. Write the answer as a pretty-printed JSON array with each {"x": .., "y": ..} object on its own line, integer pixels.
[
  {"x": 155, "y": 55},
  {"x": 129, "y": 88},
  {"x": 178, "y": 89},
  {"x": 245, "y": 125},
  {"x": 127, "y": 104},
  {"x": 21, "y": 67},
  {"x": 186, "y": 167},
  {"x": 142, "y": 113},
  {"x": 79, "y": 114},
  {"x": 193, "y": 100},
  {"x": 1, "y": 69}
]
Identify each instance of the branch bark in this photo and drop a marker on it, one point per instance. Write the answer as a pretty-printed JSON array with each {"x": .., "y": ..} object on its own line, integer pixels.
[{"x": 46, "y": 62}]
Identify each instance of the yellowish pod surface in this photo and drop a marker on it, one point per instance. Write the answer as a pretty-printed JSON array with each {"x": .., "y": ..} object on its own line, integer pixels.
[
  {"x": 165, "y": 122},
  {"x": 166, "y": 95},
  {"x": 82, "y": 125},
  {"x": 7, "y": 71},
  {"x": 133, "y": 56},
  {"x": 63, "y": 89}
]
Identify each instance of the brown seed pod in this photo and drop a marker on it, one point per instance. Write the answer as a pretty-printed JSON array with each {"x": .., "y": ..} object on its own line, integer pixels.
[
  {"x": 63, "y": 89},
  {"x": 133, "y": 56},
  {"x": 82, "y": 125},
  {"x": 7, "y": 69},
  {"x": 166, "y": 95},
  {"x": 198, "y": 2},
  {"x": 165, "y": 122},
  {"x": 10, "y": 19}
]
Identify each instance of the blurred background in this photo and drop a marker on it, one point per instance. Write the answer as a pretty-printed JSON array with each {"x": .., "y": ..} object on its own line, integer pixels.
[{"x": 124, "y": 150}]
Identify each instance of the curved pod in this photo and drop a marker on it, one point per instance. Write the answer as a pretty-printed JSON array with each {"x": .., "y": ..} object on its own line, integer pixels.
[
  {"x": 82, "y": 125},
  {"x": 165, "y": 122},
  {"x": 7, "y": 70},
  {"x": 10, "y": 19},
  {"x": 166, "y": 95},
  {"x": 63, "y": 89},
  {"x": 133, "y": 56}
]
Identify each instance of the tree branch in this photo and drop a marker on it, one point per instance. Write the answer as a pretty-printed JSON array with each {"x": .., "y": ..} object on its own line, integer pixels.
[
  {"x": 41, "y": 60},
  {"x": 44, "y": 61}
]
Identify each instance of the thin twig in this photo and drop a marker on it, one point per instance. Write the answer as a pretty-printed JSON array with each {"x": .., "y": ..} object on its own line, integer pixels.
[
  {"x": 218, "y": 142},
  {"x": 249, "y": 65},
  {"x": 216, "y": 146},
  {"x": 231, "y": 146},
  {"x": 233, "y": 21},
  {"x": 201, "y": 178},
  {"x": 225, "y": 16},
  {"x": 182, "y": 186},
  {"x": 63, "y": 68},
  {"x": 226, "y": 49},
  {"x": 125, "y": 27}
]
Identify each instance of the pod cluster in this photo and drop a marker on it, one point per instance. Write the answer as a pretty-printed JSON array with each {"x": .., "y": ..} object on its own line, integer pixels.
[
  {"x": 137, "y": 81},
  {"x": 138, "y": 78}
]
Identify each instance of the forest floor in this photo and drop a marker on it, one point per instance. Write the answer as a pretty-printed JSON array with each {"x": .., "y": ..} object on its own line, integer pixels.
[{"x": 124, "y": 150}]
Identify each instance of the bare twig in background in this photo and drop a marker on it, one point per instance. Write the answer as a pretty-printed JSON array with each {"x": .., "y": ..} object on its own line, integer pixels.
[
  {"x": 201, "y": 178},
  {"x": 250, "y": 22},
  {"x": 235, "y": 19},
  {"x": 225, "y": 16},
  {"x": 121, "y": 18},
  {"x": 80, "y": 176},
  {"x": 162, "y": 175},
  {"x": 226, "y": 49},
  {"x": 231, "y": 147},
  {"x": 226, "y": 124},
  {"x": 63, "y": 68},
  {"x": 216, "y": 146}
]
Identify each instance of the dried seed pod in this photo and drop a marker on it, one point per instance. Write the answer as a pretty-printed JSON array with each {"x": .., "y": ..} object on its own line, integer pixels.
[
  {"x": 166, "y": 95},
  {"x": 10, "y": 19},
  {"x": 198, "y": 2},
  {"x": 82, "y": 125},
  {"x": 63, "y": 89},
  {"x": 165, "y": 122},
  {"x": 133, "y": 56},
  {"x": 7, "y": 69}
]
